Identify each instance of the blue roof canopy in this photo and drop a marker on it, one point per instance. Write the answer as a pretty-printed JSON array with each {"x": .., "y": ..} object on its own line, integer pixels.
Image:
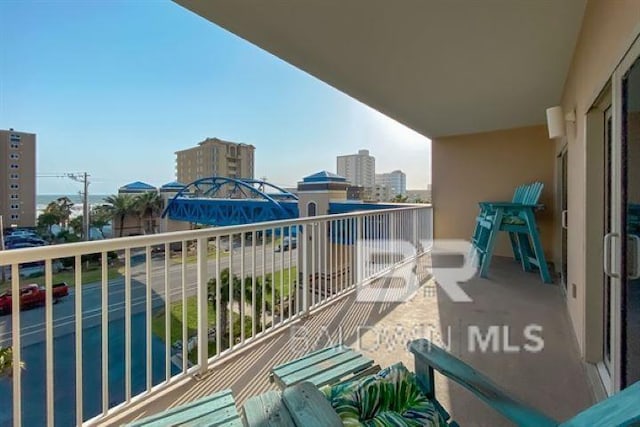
[
  {"x": 173, "y": 184},
  {"x": 324, "y": 176},
  {"x": 137, "y": 186}
]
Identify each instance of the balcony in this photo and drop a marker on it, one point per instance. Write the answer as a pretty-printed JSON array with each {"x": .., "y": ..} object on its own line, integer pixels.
[{"x": 315, "y": 275}]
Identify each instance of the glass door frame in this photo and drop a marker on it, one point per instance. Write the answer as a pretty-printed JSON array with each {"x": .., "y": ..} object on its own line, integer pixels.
[
  {"x": 619, "y": 246},
  {"x": 563, "y": 185},
  {"x": 605, "y": 366}
]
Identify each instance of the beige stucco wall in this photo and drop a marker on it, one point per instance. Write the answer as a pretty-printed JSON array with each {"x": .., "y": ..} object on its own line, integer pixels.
[
  {"x": 488, "y": 166},
  {"x": 608, "y": 29}
]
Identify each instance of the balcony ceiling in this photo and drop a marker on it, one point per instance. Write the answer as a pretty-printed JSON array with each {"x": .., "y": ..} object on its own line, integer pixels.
[{"x": 441, "y": 67}]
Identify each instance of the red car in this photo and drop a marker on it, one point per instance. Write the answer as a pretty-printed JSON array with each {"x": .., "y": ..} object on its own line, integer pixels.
[{"x": 32, "y": 296}]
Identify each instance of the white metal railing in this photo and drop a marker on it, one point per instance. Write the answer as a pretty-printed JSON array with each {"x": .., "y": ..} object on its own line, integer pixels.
[{"x": 172, "y": 303}]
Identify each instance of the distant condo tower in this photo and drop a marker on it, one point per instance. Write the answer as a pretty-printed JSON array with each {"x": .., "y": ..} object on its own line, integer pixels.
[
  {"x": 359, "y": 169},
  {"x": 395, "y": 182},
  {"x": 18, "y": 178},
  {"x": 215, "y": 157}
]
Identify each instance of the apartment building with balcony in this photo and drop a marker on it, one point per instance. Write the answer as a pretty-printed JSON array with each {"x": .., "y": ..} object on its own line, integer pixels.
[
  {"x": 215, "y": 157},
  {"x": 359, "y": 169},
  {"x": 18, "y": 178}
]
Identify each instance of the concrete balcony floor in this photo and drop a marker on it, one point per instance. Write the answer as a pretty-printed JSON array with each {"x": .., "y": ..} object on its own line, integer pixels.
[{"x": 552, "y": 380}]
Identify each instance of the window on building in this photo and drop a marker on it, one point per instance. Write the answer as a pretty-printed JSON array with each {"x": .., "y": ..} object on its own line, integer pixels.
[
  {"x": 15, "y": 137},
  {"x": 15, "y": 206},
  {"x": 15, "y": 144},
  {"x": 14, "y": 166},
  {"x": 14, "y": 156},
  {"x": 14, "y": 197},
  {"x": 311, "y": 209},
  {"x": 15, "y": 217}
]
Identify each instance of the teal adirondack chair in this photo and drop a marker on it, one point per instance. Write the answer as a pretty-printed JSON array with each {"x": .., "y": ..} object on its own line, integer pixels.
[
  {"x": 216, "y": 410},
  {"x": 518, "y": 220},
  {"x": 486, "y": 211},
  {"x": 525, "y": 193},
  {"x": 302, "y": 404},
  {"x": 620, "y": 410}
]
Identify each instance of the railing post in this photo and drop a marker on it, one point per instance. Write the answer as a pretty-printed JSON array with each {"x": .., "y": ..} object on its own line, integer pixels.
[
  {"x": 305, "y": 269},
  {"x": 16, "y": 346},
  {"x": 416, "y": 243},
  {"x": 202, "y": 299},
  {"x": 359, "y": 250}
]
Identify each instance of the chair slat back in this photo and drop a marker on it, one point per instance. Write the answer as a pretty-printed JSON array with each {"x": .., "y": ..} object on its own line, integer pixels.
[
  {"x": 519, "y": 194},
  {"x": 533, "y": 193}
]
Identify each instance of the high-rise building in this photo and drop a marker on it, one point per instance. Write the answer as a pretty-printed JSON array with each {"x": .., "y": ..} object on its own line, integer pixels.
[
  {"x": 395, "y": 181},
  {"x": 215, "y": 157},
  {"x": 18, "y": 178},
  {"x": 359, "y": 169}
]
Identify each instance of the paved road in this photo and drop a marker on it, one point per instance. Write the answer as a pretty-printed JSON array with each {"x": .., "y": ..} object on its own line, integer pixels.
[
  {"x": 33, "y": 339},
  {"x": 33, "y": 321}
]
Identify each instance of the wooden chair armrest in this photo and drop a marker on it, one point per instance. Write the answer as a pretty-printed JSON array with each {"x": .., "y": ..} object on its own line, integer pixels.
[
  {"x": 428, "y": 357},
  {"x": 308, "y": 407},
  {"x": 621, "y": 409}
]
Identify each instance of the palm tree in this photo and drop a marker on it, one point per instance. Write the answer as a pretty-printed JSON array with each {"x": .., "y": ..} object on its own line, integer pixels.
[
  {"x": 100, "y": 218},
  {"x": 77, "y": 224},
  {"x": 121, "y": 205},
  {"x": 399, "y": 198},
  {"x": 46, "y": 220},
  {"x": 225, "y": 300},
  {"x": 61, "y": 209},
  {"x": 148, "y": 205},
  {"x": 6, "y": 361}
]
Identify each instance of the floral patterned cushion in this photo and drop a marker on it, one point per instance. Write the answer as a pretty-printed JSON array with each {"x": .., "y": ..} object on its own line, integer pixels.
[
  {"x": 513, "y": 220},
  {"x": 389, "y": 398}
]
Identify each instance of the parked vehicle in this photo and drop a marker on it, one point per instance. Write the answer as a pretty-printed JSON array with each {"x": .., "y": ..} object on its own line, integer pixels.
[
  {"x": 35, "y": 269},
  {"x": 22, "y": 233},
  {"x": 287, "y": 244},
  {"x": 32, "y": 240},
  {"x": 14, "y": 241},
  {"x": 32, "y": 296},
  {"x": 21, "y": 245}
]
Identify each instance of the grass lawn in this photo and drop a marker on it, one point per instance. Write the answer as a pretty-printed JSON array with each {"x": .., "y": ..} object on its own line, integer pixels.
[
  {"x": 158, "y": 320},
  {"x": 158, "y": 323},
  {"x": 288, "y": 275}
]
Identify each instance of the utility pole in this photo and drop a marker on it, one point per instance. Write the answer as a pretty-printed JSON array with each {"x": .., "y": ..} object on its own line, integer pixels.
[{"x": 83, "y": 178}]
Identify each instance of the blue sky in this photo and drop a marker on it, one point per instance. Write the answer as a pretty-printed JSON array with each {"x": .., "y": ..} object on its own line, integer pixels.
[{"x": 116, "y": 87}]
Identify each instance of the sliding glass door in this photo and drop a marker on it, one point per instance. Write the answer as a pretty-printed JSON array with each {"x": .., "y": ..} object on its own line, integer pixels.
[
  {"x": 630, "y": 250},
  {"x": 621, "y": 352}
]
